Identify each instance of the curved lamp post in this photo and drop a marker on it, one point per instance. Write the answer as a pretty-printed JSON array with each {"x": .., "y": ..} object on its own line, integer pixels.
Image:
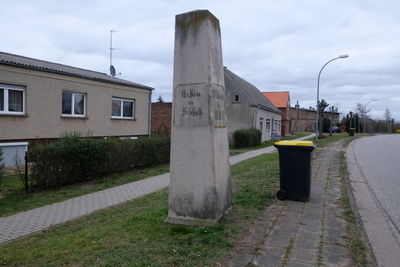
[
  {"x": 319, "y": 75},
  {"x": 366, "y": 110}
]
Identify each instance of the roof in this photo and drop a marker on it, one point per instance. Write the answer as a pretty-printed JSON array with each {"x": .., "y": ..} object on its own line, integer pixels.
[
  {"x": 279, "y": 99},
  {"x": 253, "y": 95},
  {"x": 51, "y": 67},
  {"x": 313, "y": 110}
]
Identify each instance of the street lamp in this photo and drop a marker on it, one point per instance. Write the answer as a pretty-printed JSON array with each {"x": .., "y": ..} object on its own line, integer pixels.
[
  {"x": 319, "y": 75},
  {"x": 365, "y": 111}
]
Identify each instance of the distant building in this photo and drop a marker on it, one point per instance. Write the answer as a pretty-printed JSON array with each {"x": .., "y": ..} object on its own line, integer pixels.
[
  {"x": 303, "y": 119},
  {"x": 281, "y": 100},
  {"x": 41, "y": 100},
  {"x": 161, "y": 118}
]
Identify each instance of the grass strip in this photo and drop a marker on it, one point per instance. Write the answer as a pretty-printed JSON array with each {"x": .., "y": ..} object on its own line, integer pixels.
[
  {"x": 14, "y": 199},
  {"x": 133, "y": 234},
  {"x": 236, "y": 151}
]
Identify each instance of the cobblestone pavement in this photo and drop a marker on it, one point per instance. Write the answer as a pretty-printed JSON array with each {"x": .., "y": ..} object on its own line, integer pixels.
[
  {"x": 310, "y": 233},
  {"x": 34, "y": 220}
]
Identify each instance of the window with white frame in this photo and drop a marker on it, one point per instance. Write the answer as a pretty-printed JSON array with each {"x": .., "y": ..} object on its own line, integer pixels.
[
  {"x": 73, "y": 104},
  {"x": 122, "y": 108},
  {"x": 268, "y": 125},
  {"x": 12, "y": 99},
  {"x": 261, "y": 123}
]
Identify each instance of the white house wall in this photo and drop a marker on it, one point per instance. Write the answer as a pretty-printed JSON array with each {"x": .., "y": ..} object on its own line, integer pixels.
[{"x": 260, "y": 122}]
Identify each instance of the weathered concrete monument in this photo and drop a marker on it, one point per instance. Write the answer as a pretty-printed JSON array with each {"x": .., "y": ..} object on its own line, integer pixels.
[{"x": 200, "y": 187}]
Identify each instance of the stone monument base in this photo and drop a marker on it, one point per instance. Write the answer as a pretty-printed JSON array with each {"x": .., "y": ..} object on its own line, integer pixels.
[{"x": 181, "y": 220}]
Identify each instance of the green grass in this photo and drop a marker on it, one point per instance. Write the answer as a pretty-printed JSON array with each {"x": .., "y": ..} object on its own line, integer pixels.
[
  {"x": 133, "y": 234},
  {"x": 322, "y": 142},
  {"x": 236, "y": 151},
  {"x": 15, "y": 200}
]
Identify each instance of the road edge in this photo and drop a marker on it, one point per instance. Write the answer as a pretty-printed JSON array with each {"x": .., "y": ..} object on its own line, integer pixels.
[{"x": 376, "y": 225}]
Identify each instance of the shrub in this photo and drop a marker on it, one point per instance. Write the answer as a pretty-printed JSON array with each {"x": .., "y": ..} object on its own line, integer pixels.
[
  {"x": 247, "y": 137},
  {"x": 1, "y": 166},
  {"x": 73, "y": 159}
]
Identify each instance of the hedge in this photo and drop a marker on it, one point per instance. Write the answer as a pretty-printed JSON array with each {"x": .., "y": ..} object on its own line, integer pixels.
[
  {"x": 74, "y": 159},
  {"x": 247, "y": 137},
  {"x": 1, "y": 166}
]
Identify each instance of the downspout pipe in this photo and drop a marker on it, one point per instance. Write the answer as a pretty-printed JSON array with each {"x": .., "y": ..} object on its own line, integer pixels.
[
  {"x": 255, "y": 117},
  {"x": 149, "y": 118}
]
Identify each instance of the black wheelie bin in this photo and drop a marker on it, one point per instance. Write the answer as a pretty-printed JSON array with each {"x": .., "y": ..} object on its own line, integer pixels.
[{"x": 295, "y": 169}]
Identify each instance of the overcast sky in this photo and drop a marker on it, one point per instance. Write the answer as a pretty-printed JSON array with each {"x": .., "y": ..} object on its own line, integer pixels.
[{"x": 275, "y": 45}]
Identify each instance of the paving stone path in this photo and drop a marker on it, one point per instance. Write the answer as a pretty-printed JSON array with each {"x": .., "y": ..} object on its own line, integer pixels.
[
  {"x": 294, "y": 233},
  {"x": 34, "y": 220}
]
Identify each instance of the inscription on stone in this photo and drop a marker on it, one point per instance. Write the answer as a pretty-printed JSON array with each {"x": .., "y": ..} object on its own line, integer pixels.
[{"x": 191, "y": 106}]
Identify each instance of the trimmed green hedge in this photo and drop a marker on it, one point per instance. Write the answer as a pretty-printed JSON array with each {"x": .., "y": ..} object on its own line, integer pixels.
[
  {"x": 247, "y": 137},
  {"x": 74, "y": 159}
]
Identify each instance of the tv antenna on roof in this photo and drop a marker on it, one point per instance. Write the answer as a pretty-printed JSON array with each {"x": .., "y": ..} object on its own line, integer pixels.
[{"x": 112, "y": 68}]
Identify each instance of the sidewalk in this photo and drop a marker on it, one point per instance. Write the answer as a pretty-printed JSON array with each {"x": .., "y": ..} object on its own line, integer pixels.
[
  {"x": 310, "y": 233},
  {"x": 34, "y": 220}
]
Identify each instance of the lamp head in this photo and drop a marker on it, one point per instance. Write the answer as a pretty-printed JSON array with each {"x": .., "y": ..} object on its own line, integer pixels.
[{"x": 344, "y": 56}]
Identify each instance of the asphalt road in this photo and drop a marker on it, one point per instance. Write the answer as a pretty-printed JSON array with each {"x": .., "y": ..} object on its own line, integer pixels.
[{"x": 378, "y": 158}]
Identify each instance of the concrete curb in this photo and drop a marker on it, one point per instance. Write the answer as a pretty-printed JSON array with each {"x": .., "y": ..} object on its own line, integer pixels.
[{"x": 382, "y": 234}]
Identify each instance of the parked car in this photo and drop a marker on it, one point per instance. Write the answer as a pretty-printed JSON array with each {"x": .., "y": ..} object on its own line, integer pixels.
[{"x": 335, "y": 129}]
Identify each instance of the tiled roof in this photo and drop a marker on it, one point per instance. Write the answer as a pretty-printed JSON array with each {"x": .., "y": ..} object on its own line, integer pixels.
[
  {"x": 254, "y": 96},
  {"x": 46, "y": 66},
  {"x": 279, "y": 99}
]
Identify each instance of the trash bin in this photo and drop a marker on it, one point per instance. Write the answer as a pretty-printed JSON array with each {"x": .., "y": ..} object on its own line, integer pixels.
[
  {"x": 295, "y": 169},
  {"x": 351, "y": 131}
]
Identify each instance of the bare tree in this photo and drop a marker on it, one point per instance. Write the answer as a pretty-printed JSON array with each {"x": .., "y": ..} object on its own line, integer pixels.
[
  {"x": 362, "y": 110},
  {"x": 388, "y": 118},
  {"x": 322, "y": 105}
]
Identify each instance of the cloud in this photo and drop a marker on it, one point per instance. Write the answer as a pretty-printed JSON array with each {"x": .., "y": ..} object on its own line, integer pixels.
[{"x": 276, "y": 45}]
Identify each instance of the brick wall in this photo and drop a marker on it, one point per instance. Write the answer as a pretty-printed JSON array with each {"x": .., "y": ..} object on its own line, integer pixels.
[
  {"x": 303, "y": 120},
  {"x": 285, "y": 121},
  {"x": 161, "y": 118}
]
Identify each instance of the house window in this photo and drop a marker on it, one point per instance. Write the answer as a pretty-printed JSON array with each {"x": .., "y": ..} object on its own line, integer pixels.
[
  {"x": 73, "y": 104},
  {"x": 261, "y": 124},
  {"x": 122, "y": 108},
  {"x": 12, "y": 99},
  {"x": 268, "y": 125},
  {"x": 236, "y": 98}
]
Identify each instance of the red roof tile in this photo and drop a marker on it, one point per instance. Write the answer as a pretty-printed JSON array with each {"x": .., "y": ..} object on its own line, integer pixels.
[{"x": 279, "y": 99}]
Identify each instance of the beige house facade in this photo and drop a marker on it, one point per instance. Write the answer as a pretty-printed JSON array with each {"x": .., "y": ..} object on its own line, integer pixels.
[{"x": 44, "y": 100}]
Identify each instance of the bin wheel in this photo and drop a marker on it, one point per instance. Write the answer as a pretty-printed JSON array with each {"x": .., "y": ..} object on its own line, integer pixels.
[{"x": 281, "y": 195}]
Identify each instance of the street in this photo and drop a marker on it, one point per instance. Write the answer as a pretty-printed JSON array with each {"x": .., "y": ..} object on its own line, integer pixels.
[
  {"x": 373, "y": 171},
  {"x": 379, "y": 160}
]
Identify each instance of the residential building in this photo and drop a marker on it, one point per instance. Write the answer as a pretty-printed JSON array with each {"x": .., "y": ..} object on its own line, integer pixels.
[
  {"x": 41, "y": 100},
  {"x": 303, "y": 119},
  {"x": 248, "y": 108},
  {"x": 281, "y": 100}
]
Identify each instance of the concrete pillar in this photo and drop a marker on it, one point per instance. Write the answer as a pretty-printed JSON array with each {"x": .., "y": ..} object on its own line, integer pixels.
[{"x": 200, "y": 187}]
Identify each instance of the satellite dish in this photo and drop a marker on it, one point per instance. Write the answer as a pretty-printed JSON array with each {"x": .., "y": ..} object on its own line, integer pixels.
[{"x": 112, "y": 70}]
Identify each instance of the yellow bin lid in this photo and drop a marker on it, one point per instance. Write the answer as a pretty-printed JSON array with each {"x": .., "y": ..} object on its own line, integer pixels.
[{"x": 294, "y": 143}]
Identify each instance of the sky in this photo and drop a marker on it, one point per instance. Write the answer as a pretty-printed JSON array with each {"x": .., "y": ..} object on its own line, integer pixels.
[{"x": 275, "y": 45}]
